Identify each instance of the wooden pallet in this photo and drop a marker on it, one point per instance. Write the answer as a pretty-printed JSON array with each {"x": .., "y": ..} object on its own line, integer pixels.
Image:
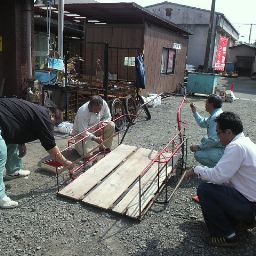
[{"x": 113, "y": 182}]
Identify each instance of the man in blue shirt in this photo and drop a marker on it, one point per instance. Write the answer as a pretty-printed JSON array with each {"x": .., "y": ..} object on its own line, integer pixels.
[{"x": 209, "y": 152}]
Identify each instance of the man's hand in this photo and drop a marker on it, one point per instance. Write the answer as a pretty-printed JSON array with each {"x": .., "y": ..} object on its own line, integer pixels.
[
  {"x": 194, "y": 148},
  {"x": 193, "y": 107},
  {"x": 69, "y": 165},
  {"x": 189, "y": 174},
  {"x": 99, "y": 140}
]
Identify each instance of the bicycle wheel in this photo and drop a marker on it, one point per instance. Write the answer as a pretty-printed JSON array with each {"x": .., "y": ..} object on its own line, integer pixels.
[
  {"x": 117, "y": 110},
  {"x": 130, "y": 109},
  {"x": 140, "y": 102}
]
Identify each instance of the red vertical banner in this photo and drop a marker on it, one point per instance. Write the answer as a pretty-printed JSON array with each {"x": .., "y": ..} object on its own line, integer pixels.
[{"x": 221, "y": 54}]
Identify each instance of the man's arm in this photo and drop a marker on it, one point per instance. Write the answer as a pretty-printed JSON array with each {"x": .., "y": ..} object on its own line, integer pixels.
[
  {"x": 213, "y": 139},
  {"x": 227, "y": 166},
  {"x": 201, "y": 121},
  {"x": 81, "y": 125},
  {"x": 106, "y": 115},
  {"x": 57, "y": 155}
]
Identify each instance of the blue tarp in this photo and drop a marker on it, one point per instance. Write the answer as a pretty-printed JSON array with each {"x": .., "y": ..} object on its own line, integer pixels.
[
  {"x": 140, "y": 72},
  {"x": 57, "y": 64},
  {"x": 46, "y": 77}
]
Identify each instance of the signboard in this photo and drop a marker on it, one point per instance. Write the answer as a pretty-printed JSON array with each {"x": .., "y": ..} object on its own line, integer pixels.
[
  {"x": 176, "y": 46},
  {"x": 221, "y": 54}
]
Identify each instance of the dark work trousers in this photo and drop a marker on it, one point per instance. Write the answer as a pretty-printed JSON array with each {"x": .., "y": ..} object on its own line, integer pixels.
[{"x": 224, "y": 208}]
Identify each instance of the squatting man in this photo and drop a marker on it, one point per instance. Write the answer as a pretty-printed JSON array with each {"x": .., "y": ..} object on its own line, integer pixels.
[
  {"x": 93, "y": 114},
  {"x": 210, "y": 150},
  {"x": 228, "y": 194}
]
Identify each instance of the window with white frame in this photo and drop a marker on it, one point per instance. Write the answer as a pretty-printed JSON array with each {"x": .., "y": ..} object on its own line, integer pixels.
[
  {"x": 129, "y": 61},
  {"x": 168, "y": 61}
]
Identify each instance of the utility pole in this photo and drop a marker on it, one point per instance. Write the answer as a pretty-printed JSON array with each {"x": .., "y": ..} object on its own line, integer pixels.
[
  {"x": 209, "y": 37},
  {"x": 250, "y": 33}
]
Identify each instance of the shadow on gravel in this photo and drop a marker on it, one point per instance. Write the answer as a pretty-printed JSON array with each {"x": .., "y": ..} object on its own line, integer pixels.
[
  {"x": 117, "y": 228},
  {"x": 193, "y": 243},
  {"x": 35, "y": 195}
]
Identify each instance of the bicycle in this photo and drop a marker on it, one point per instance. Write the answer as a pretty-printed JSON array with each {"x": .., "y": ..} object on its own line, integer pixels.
[{"x": 134, "y": 105}]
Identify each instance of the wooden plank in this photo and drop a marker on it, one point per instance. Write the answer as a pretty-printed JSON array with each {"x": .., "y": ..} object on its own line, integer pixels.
[
  {"x": 80, "y": 186},
  {"x": 118, "y": 182},
  {"x": 129, "y": 205},
  {"x": 131, "y": 199}
]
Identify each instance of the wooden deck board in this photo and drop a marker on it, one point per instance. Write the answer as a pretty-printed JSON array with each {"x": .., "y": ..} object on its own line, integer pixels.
[
  {"x": 118, "y": 182},
  {"x": 111, "y": 182},
  {"x": 86, "y": 181},
  {"x": 129, "y": 205}
]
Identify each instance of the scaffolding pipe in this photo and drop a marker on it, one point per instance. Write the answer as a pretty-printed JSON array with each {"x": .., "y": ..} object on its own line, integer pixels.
[{"x": 60, "y": 27}]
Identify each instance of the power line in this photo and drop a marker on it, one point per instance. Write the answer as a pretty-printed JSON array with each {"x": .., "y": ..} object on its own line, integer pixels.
[{"x": 245, "y": 23}]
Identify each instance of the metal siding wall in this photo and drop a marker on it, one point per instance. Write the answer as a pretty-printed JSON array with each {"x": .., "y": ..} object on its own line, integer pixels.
[
  {"x": 155, "y": 39},
  {"x": 116, "y": 35}
]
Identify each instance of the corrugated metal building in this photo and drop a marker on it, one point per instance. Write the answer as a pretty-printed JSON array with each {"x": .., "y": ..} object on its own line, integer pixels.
[
  {"x": 127, "y": 25},
  {"x": 130, "y": 26},
  {"x": 196, "y": 21},
  {"x": 243, "y": 56}
]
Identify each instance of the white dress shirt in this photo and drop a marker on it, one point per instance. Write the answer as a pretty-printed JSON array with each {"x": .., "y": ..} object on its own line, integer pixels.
[
  {"x": 85, "y": 119},
  {"x": 236, "y": 168}
]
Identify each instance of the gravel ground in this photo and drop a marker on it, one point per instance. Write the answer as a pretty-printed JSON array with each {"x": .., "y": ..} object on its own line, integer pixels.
[{"x": 45, "y": 224}]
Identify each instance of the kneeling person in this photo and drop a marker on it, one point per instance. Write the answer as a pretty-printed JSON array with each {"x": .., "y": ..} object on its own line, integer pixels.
[
  {"x": 90, "y": 114},
  {"x": 210, "y": 150},
  {"x": 228, "y": 195}
]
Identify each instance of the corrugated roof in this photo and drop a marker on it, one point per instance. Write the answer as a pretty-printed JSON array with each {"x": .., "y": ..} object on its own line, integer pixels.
[
  {"x": 80, "y": 1},
  {"x": 121, "y": 13},
  {"x": 192, "y": 7},
  {"x": 245, "y": 45}
]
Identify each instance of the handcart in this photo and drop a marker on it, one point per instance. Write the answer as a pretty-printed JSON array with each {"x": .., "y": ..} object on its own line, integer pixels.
[{"x": 127, "y": 180}]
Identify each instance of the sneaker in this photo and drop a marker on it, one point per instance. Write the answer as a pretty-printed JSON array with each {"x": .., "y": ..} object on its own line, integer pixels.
[
  {"x": 7, "y": 203},
  {"x": 222, "y": 241},
  {"x": 19, "y": 173}
]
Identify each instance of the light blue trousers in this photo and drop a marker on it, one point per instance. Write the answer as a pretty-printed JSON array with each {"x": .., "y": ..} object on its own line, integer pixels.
[
  {"x": 209, "y": 157},
  {"x": 9, "y": 158},
  {"x": 3, "y": 158}
]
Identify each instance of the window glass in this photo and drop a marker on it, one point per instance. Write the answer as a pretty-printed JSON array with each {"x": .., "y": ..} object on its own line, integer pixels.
[{"x": 168, "y": 61}]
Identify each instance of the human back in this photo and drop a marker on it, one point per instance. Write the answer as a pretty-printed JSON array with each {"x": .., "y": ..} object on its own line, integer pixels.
[{"x": 22, "y": 121}]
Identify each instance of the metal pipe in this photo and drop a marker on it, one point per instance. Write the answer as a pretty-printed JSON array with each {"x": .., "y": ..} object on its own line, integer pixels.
[{"x": 60, "y": 27}]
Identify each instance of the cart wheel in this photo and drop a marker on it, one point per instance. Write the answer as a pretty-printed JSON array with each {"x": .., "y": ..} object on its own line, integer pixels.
[
  {"x": 117, "y": 110},
  {"x": 130, "y": 109},
  {"x": 140, "y": 102}
]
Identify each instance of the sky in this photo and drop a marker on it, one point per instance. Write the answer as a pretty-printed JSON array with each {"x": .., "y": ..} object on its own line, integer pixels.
[{"x": 240, "y": 13}]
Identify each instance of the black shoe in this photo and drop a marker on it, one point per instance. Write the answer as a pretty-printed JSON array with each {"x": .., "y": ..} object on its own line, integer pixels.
[{"x": 223, "y": 241}]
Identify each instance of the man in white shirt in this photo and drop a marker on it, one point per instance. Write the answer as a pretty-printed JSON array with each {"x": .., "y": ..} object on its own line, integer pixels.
[
  {"x": 228, "y": 197},
  {"x": 93, "y": 114}
]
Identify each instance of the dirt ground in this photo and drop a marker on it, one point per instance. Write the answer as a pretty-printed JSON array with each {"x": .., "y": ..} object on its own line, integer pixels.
[{"x": 48, "y": 225}]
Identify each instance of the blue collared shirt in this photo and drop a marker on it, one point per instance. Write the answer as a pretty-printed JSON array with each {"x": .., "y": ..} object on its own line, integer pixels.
[{"x": 212, "y": 139}]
